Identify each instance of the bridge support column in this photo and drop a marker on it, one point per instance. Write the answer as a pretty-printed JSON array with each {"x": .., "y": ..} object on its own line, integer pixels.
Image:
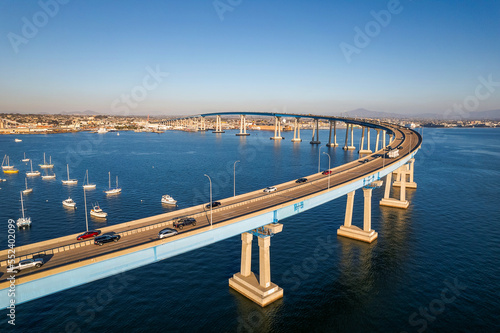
[
  {"x": 296, "y": 131},
  {"x": 348, "y": 230},
  {"x": 351, "y": 147},
  {"x": 259, "y": 289},
  {"x": 277, "y": 129},
  {"x": 243, "y": 126},
  {"x": 315, "y": 130},
  {"x": 409, "y": 183},
  {"x": 392, "y": 202},
  {"x": 362, "y": 149},
  {"x": 334, "y": 144},
  {"x": 218, "y": 125}
]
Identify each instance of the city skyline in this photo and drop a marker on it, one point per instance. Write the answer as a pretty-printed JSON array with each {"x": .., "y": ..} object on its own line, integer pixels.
[{"x": 406, "y": 57}]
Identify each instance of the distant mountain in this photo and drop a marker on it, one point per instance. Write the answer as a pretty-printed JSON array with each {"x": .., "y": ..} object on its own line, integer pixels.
[
  {"x": 364, "y": 113},
  {"x": 81, "y": 113}
]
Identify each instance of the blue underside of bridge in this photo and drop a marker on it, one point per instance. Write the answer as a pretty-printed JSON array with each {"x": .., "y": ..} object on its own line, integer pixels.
[
  {"x": 58, "y": 282},
  {"x": 288, "y": 115}
]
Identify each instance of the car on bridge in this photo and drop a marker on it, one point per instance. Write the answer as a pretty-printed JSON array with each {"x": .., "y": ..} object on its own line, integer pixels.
[
  {"x": 24, "y": 264},
  {"x": 327, "y": 172},
  {"x": 301, "y": 180},
  {"x": 365, "y": 161},
  {"x": 270, "y": 189},
  {"x": 106, "y": 239},
  {"x": 214, "y": 204},
  {"x": 89, "y": 234},
  {"x": 167, "y": 232},
  {"x": 180, "y": 223}
]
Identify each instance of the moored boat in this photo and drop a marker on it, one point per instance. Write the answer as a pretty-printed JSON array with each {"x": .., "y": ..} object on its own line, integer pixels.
[
  {"x": 32, "y": 173},
  {"x": 96, "y": 211},
  {"x": 23, "y": 222},
  {"x": 27, "y": 190},
  {"x": 115, "y": 190},
  {"x": 168, "y": 200},
  {"x": 69, "y": 181},
  {"x": 46, "y": 165},
  {"x": 69, "y": 203}
]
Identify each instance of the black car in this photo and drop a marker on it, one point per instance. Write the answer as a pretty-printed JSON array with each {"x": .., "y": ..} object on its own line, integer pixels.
[
  {"x": 106, "y": 239},
  {"x": 365, "y": 160},
  {"x": 301, "y": 180},
  {"x": 214, "y": 204},
  {"x": 184, "y": 221}
]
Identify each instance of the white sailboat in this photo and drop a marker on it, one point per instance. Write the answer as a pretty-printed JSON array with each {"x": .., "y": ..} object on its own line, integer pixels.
[
  {"x": 27, "y": 190},
  {"x": 18, "y": 140},
  {"x": 47, "y": 176},
  {"x": 25, "y": 159},
  {"x": 46, "y": 165},
  {"x": 6, "y": 163},
  {"x": 69, "y": 181},
  {"x": 115, "y": 190},
  {"x": 32, "y": 173},
  {"x": 96, "y": 211},
  {"x": 69, "y": 203},
  {"x": 23, "y": 222},
  {"x": 88, "y": 186}
]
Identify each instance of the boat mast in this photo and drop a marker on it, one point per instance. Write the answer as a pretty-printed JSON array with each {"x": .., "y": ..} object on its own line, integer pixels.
[
  {"x": 67, "y": 168},
  {"x": 85, "y": 199},
  {"x": 31, "y": 163},
  {"x": 44, "y": 159},
  {"x": 26, "y": 182},
  {"x": 109, "y": 179},
  {"x": 116, "y": 181},
  {"x": 22, "y": 206}
]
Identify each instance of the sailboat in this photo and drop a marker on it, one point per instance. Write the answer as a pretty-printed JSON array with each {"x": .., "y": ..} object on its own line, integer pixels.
[
  {"x": 96, "y": 211},
  {"x": 23, "y": 222},
  {"x": 47, "y": 176},
  {"x": 115, "y": 190},
  {"x": 25, "y": 159},
  {"x": 27, "y": 190},
  {"x": 45, "y": 165},
  {"x": 88, "y": 186},
  {"x": 6, "y": 166},
  {"x": 69, "y": 181},
  {"x": 32, "y": 173}
]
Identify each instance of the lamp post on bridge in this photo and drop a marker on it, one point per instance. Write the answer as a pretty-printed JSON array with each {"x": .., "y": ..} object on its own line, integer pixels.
[
  {"x": 329, "y": 171},
  {"x": 234, "y": 178},
  {"x": 210, "y": 198},
  {"x": 319, "y": 159}
]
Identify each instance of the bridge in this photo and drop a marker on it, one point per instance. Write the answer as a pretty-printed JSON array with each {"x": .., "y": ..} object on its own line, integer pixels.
[{"x": 70, "y": 263}]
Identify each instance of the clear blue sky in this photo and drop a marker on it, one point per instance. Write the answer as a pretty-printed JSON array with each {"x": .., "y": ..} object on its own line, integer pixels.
[{"x": 262, "y": 56}]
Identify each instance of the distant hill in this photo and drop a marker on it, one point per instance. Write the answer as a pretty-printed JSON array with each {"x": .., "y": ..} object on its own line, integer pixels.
[
  {"x": 364, "y": 113},
  {"x": 477, "y": 115},
  {"x": 81, "y": 113}
]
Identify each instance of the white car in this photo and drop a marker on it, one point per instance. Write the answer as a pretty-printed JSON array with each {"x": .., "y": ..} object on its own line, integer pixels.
[
  {"x": 26, "y": 263},
  {"x": 270, "y": 189}
]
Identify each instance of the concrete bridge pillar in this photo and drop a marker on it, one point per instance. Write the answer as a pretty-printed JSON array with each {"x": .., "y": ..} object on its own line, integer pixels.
[
  {"x": 409, "y": 172},
  {"x": 351, "y": 147},
  {"x": 377, "y": 140},
  {"x": 243, "y": 126},
  {"x": 218, "y": 125},
  {"x": 315, "y": 130},
  {"x": 259, "y": 288},
  {"x": 350, "y": 231},
  {"x": 277, "y": 129},
  {"x": 334, "y": 144},
  {"x": 362, "y": 149},
  {"x": 392, "y": 202},
  {"x": 296, "y": 131}
]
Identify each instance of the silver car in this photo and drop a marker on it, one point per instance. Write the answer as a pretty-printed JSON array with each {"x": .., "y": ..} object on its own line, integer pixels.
[
  {"x": 26, "y": 263},
  {"x": 167, "y": 233},
  {"x": 270, "y": 189}
]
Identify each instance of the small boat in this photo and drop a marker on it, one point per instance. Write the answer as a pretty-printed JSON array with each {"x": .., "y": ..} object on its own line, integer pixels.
[
  {"x": 115, "y": 190},
  {"x": 27, "y": 190},
  {"x": 69, "y": 203},
  {"x": 3, "y": 180},
  {"x": 25, "y": 159},
  {"x": 168, "y": 200},
  {"x": 69, "y": 181},
  {"x": 88, "y": 186},
  {"x": 47, "y": 176},
  {"x": 23, "y": 222},
  {"x": 32, "y": 173},
  {"x": 96, "y": 211},
  {"x": 117, "y": 133},
  {"x": 11, "y": 171},
  {"x": 102, "y": 130},
  {"x": 46, "y": 165},
  {"x": 18, "y": 140},
  {"x": 6, "y": 163}
]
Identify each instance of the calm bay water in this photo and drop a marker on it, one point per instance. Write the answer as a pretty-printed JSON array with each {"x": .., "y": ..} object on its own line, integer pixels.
[{"x": 445, "y": 243}]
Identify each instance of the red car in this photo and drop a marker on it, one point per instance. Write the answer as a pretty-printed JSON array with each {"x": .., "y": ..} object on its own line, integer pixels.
[
  {"x": 327, "y": 172},
  {"x": 89, "y": 234}
]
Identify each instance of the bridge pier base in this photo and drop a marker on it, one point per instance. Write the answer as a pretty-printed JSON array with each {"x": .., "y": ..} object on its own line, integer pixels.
[
  {"x": 350, "y": 231},
  {"x": 259, "y": 289},
  {"x": 296, "y": 131},
  {"x": 315, "y": 130},
  {"x": 334, "y": 143},
  {"x": 392, "y": 202},
  {"x": 277, "y": 129},
  {"x": 351, "y": 147},
  {"x": 362, "y": 149}
]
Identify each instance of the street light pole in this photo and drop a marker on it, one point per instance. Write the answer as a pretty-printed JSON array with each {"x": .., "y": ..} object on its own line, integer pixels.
[
  {"x": 234, "y": 177},
  {"x": 329, "y": 171},
  {"x": 319, "y": 159},
  {"x": 210, "y": 198}
]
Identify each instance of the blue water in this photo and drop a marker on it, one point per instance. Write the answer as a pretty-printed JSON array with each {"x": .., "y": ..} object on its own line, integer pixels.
[{"x": 448, "y": 236}]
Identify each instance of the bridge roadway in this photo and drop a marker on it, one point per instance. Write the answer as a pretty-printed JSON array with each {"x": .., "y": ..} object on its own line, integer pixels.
[{"x": 232, "y": 208}]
